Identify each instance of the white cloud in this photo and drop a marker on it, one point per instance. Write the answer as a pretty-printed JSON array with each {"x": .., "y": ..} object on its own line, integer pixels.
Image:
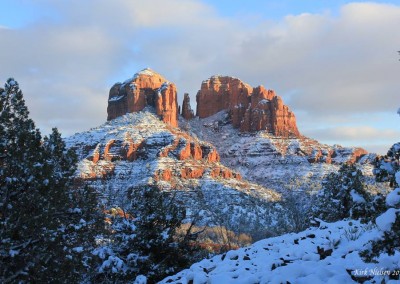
[
  {"x": 326, "y": 67},
  {"x": 372, "y": 139},
  {"x": 355, "y": 133}
]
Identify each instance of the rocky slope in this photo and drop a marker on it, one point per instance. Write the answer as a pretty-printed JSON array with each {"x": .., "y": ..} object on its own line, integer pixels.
[
  {"x": 139, "y": 149},
  {"x": 275, "y": 162},
  {"x": 256, "y": 134}
]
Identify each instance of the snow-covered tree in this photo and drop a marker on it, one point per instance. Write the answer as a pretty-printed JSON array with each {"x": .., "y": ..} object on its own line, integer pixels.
[
  {"x": 41, "y": 222},
  {"x": 144, "y": 239},
  {"x": 387, "y": 166},
  {"x": 387, "y": 169},
  {"x": 298, "y": 211},
  {"x": 342, "y": 196}
]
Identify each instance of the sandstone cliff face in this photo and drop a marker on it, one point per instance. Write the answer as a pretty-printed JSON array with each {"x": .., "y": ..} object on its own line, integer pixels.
[
  {"x": 146, "y": 88},
  {"x": 187, "y": 112},
  {"x": 250, "y": 109},
  {"x": 219, "y": 93}
]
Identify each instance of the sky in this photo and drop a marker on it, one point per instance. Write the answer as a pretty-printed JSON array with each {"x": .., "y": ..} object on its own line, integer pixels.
[{"x": 334, "y": 63}]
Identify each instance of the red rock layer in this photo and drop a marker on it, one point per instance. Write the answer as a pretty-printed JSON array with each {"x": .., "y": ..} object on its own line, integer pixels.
[
  {"x": 196, "y": 158},
  {"x": 357, "y": 154},
  {"x": 250, "y": 109},
  {"x": 145, "y": 88},
  {"x": 329, "y": 155}
]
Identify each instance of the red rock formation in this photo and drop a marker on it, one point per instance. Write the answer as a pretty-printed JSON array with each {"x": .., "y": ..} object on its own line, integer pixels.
[
  {"x": 219, "y": 93},
  {"x": 250, "y": 109},
  {"x": 145, "y": 88},
  {"x": 163, "y": 175},
  {"x": 108, "y": 154},
  {"x": 129, "y": 152},
  {"x": 185, "y": 151},
  {"x": 166, "y": 104},
  {"x": 96, "y": 157},
  {"x": 237, "y": 176},
  {"x": 357, "y": 154},
  {"x": 195, "y": 151},
  {"x": 353, "y": 156},
  {"x": 215, "y": 172},
  {"x": 192, "y": 172},
  {"x": 325, "y": 156},
  {"x": 224, "y": 173},
  {"x": 209, "y": 153},
  {"x": 187, "y": 112},
  {"x": 321, "y": 156},
  {"x": 213, "y": 156}
]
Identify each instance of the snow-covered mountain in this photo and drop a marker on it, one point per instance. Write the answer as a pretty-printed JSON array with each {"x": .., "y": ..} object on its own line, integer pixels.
[
  {"x": 224, "y": 174},
  {"x": 241, "y": 165}
]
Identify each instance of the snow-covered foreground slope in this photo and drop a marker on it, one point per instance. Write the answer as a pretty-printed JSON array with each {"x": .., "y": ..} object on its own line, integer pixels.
[{"x": 328, "y": 254}]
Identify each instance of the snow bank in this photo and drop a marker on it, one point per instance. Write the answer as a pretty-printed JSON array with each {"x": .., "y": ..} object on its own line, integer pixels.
[
  {"x": 317, "y": 255},
  {"x": 386, "y": 220},
  {"x": 393, "y": 198}
]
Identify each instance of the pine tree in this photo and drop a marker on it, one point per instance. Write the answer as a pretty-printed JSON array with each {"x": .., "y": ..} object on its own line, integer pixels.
[
  {"x": 144, "y": 239},
  {"x": 21, "y": 171},
  {"x": 40, "y": 222},
  {"x": 158, "y": 218},
  {"x": 343, "y": 196},
  {"x": 387, "y": 166},
  {"x": 387, "y": 169}
]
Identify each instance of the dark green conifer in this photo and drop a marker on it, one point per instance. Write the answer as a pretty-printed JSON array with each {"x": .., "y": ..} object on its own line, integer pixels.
[
  {"x": 41, "y": 218},
  {"x": 387, "y": 169},
  {"x": 343, "y": 196}
]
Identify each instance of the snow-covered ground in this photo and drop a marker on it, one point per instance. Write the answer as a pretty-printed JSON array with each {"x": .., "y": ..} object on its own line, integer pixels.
[{"x": 328, "y": 254}]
